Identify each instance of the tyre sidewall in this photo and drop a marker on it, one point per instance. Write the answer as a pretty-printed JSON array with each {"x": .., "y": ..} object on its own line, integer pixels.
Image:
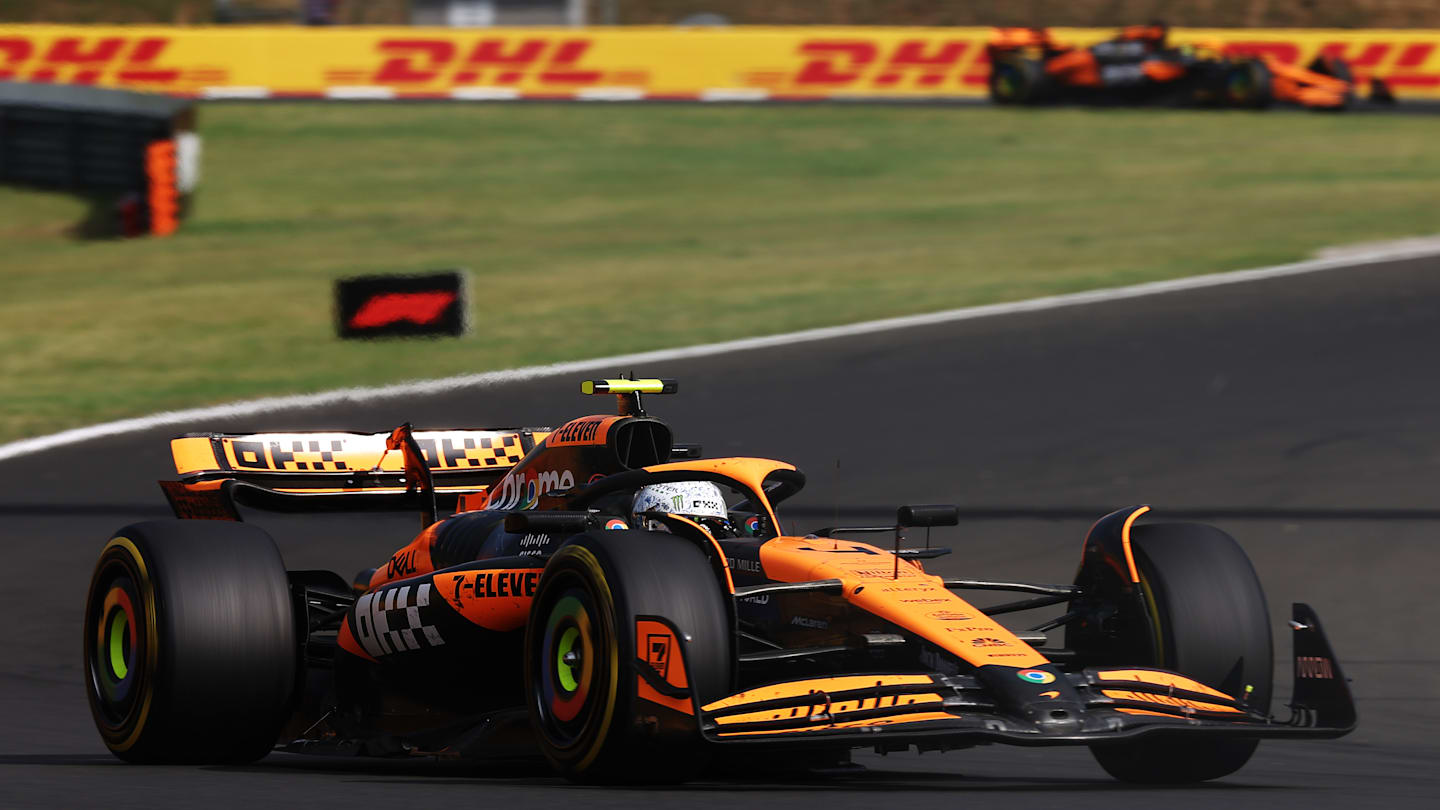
[
  {"x": 1211, "y": 623},
  {"x": 221, "y": 662},
  {"x": 1212, "y": 618},
  {"x": 1026, "y": 78},
  {"x": 1256, "y": 77},
  {"x": 642, "y": 575}
]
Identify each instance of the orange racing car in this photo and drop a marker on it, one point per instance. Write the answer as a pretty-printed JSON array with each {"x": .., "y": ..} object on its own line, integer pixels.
[
  {"x": 607, "y": 599},
  {"x": 1140, "y": 66}
]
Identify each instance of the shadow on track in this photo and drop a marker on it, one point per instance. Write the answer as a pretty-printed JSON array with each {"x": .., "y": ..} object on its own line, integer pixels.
[{"x": 430, "y": 773}]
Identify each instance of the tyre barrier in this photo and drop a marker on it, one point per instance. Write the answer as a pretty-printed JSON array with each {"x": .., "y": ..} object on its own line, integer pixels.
[{"x": 135, "y": 155}]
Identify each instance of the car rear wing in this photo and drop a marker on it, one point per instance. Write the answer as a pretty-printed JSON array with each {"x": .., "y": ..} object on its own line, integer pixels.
[{"x": 339, "y": 471}]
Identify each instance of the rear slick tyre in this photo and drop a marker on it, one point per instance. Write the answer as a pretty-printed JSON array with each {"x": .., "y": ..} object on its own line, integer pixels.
[
  {"x": 1017, "y": 80},
  {"x": 582, "y": 653},
  {"x": 190, "y": 649},
  {"x": 1248, "y": 86},
  {"x": 1214, "y": 626}
]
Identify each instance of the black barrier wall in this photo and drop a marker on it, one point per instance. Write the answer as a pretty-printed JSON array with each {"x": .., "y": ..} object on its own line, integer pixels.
[{"x": 136, "y": 155}]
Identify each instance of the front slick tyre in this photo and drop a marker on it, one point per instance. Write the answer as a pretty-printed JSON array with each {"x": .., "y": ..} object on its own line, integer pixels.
[
  {"x": 605, "y": 608},
  {"x": 1213, "y": 626},
  {"x": 190, "y": 650}
]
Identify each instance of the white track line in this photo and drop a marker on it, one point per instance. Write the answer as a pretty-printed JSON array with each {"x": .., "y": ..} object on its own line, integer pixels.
[
  {"x": 640, "y": 359},
  {"x": 610, "y": 94},
  {"x": 734, "y": 94},
  {"x": 234, "y": 92},
  {"x": 360, "y": 93}
]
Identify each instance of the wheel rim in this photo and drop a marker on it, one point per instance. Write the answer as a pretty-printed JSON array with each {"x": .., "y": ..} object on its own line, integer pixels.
[
  {"x": 1005, "y": 84},
  {"x": 117, "y": 644},
  {"x": 1241, "y": 87},
  {"x": 121, "y": 641},
  {"x": 569, "y": 658},
  {"x": 572, "y": 657}
]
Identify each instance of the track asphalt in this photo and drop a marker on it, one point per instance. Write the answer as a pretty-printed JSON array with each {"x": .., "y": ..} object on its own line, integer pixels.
[{"x": 1299, "y": 414}]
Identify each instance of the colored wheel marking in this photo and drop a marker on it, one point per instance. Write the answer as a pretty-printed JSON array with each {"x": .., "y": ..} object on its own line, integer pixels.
[
  {"x": 574, "y": 727},
  {"x": 567, "y": 694},
  {"x": 119, "y": 627},
  {"x": 605, "y": 655},
  {"x": 115, "y": 642},
  {"x": 145, "y": 636},
  {"x": 565, "y": 671},
  {"x": 116, "y": 599}
]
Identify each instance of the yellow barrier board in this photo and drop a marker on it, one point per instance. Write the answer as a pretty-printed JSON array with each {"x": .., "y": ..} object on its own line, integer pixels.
[{"x": 800, "y": 63}]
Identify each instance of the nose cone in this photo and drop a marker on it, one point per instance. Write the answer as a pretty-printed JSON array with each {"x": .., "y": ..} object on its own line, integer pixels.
[
  {"x": 1055, "y": 716},
  {"x": 1040, "y": 695}
]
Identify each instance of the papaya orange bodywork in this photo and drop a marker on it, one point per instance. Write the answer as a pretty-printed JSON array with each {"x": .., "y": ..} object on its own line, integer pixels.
[
  {"x": 832, "y": 710},
  {"x": 656, "y": 642},
  {"x": 1167, "y": 700},
  {"x": 1161, "y": 71},
  {"x": 1296, "y": 84},
  {"x": 1160, "y": 678},
  {"x": 900, "y": 593},
  {"x": 493, "y": 612},
  {"x": 192, "y": 454},
  {"x": 410, "y": 560},
  {"x": 346, "y": 639},
  {"x": 922, "y": 717},
  {"x": 1125, "y": 541},
  {"x": 1076, "y": 67}
]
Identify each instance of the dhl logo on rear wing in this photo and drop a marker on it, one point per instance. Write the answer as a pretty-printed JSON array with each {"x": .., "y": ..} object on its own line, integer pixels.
[{"x": 331, "y": 470}]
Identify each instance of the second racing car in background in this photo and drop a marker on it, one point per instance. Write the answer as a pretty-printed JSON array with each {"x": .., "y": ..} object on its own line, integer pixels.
[{"x": 1140, "y": 66}]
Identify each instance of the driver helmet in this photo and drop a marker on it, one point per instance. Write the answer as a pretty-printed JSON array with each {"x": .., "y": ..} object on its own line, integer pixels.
[{"x": 700, "y": 501}]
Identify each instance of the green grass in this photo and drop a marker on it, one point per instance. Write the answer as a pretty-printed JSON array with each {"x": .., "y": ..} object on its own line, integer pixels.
[{"x": 592, "y": 230}]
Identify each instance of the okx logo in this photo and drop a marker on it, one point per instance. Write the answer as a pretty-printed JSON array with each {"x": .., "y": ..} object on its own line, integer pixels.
[{"x": 383, "y": 306}]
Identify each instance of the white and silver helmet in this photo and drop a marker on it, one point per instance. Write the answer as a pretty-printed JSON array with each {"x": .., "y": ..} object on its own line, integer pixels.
[{"x": 692, "y": 499}]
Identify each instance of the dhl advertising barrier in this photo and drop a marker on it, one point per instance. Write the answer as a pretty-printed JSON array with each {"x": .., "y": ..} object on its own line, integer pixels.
[{"x": 731, "y": 64}]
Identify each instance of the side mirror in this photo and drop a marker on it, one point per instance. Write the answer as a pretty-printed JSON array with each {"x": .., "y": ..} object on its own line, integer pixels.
[
  {"x": 934, "y": 514},
  {"x": 547, "y": 522}
]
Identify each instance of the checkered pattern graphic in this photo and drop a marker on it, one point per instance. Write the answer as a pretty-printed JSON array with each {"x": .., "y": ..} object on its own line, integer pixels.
[
  {"x": 444, "y": 450},
  {"x": 497, "y": 450},
  {"x": 302, "y": 450},
  {"x": 319, "y": 455},
  {"x": 388, "y": 621}
]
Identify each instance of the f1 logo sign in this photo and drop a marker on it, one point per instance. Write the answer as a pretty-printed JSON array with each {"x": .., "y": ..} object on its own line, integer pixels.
[
  {"x": 384, "y": 306},
  {"x": 385, "y": 309}
]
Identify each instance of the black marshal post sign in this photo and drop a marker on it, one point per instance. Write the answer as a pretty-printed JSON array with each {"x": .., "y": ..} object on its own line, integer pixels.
[{"x": 431, "y": 305}]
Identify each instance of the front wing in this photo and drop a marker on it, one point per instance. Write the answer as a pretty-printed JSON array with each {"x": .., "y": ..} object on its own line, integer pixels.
[{"x": 929, "y": 710}]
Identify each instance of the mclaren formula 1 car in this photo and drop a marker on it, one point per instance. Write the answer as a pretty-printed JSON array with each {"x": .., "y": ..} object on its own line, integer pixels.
[
  {"x": 545, "y": 617},
  {"x": 1139, "y": 66}
]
